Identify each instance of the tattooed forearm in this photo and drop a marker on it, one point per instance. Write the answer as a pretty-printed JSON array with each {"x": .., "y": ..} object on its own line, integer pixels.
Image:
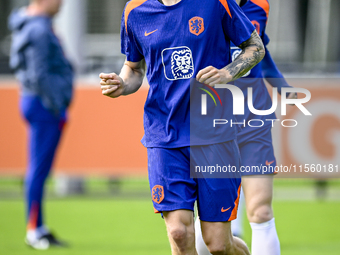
[{"x": 252, "y": 53}]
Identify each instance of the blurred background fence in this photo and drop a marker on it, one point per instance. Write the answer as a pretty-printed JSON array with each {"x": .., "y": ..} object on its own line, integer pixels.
[{"x": 304, "y": 34}]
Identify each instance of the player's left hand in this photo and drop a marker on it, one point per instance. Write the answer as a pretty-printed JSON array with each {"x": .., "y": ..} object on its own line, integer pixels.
[{"x": 212, "y": 76}]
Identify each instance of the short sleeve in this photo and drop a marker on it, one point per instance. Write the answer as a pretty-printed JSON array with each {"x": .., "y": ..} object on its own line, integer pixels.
[
  {"x": 237, "y": 27},
  {"x": 129, "y": 46}
]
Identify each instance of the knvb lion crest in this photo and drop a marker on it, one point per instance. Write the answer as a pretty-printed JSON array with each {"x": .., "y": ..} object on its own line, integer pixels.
[
  {"x": 181, "y": 64},
  {"x": 178, "y": 63},
  {"x": 196, "y": 25},
  {"x": 157, "y": 194}
]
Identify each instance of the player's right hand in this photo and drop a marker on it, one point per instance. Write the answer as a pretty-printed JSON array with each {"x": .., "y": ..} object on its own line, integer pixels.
[{"x": 112, "y": 85}]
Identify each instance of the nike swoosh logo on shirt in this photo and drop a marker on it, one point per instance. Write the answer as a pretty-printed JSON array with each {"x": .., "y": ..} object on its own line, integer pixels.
[{"x": 147, "y": 34}]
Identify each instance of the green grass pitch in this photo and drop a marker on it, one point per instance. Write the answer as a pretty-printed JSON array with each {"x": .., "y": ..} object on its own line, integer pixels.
[{"x": 117, "y": 226}]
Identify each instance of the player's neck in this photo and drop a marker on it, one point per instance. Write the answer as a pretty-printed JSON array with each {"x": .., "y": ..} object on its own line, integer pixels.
[{"x": 169, "y": 2}]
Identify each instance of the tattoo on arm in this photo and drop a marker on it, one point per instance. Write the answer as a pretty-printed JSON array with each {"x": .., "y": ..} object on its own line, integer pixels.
[{"x": 252, "y": 53}]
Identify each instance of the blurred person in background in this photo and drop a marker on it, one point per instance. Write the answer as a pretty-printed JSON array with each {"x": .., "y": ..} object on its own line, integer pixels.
[
  {"x": 255, "y": 145},
  {"x": 46, "y": 79}
]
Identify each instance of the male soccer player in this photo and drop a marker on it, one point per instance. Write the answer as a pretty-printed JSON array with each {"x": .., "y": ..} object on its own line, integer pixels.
[
  {"x": 46, "y": 79},
  {"x": 180, "y": 40},
  {"x": 255, "y": 144}
]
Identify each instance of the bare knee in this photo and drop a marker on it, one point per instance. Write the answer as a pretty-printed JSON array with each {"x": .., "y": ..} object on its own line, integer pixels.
[
  {"x": 178, "y": 233},
  {"x": 182, "y": 235},
  {"x": 181, "y": 232},
  {"x": 260, "y": 214},
  {"x": 220, "y": 248}
]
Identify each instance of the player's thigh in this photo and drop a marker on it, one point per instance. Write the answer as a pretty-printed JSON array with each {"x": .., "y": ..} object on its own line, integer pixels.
[
  {"x": 217, "y": 197},
  {"x": 258, "y": 193},
  {"x": 169, "y": 178}
]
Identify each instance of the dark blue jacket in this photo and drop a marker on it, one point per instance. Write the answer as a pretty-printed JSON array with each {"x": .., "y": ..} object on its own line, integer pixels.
[{"x": 39, "y": 62}]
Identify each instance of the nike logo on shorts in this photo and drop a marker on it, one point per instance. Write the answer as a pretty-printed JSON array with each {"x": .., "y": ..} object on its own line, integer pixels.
[
  {"x": 224, "y": 210},
  {"x": 269, "y": 163}
]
